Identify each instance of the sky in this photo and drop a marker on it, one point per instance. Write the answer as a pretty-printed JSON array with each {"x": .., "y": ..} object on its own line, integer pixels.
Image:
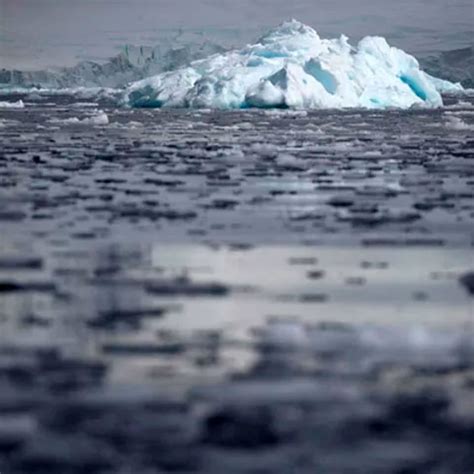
[{"x": 35, "y": 34}]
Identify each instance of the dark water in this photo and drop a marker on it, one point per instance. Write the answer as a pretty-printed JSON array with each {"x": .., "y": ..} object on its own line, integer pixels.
[{"x": 238, "y": 292}]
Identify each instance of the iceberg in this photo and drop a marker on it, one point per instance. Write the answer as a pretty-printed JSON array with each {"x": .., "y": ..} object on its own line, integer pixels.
[{"x": 292, "y": 67}]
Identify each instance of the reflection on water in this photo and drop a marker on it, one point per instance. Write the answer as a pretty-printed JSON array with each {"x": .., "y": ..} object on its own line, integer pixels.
[
  {"x": 110, "y": 352},
  {"x": 121, "y": 296}
]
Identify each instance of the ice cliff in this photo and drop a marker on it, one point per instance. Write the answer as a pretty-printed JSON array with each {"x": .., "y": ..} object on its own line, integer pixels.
[
  {"x": 454, "y": 65},
  {"x": 131, "y": 64},
  {"x": 291, "y": 66}
]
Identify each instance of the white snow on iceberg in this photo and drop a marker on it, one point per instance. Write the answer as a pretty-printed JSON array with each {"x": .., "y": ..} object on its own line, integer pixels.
[{"x": 292, "y": 66}]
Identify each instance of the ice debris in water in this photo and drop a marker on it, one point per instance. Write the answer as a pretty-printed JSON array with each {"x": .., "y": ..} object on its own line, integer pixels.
[
  {"x": 291, "y": 66},
  {"x": 100, "y": 118},
  {"x": 418, "y": 346},
  {"x": 457, "y": 123},
  {"x": 12, "y": 105}
]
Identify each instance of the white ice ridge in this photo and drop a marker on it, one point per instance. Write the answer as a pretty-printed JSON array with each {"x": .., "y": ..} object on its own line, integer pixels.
[{"x": 291, "y": 66}]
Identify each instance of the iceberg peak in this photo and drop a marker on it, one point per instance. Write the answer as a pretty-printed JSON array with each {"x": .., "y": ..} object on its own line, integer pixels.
[
  {"x": 291, "y": 66},
  {"x": 288, "y": 30}
]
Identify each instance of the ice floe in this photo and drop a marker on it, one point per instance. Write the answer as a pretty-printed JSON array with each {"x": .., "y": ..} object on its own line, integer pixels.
[{"x": 12, "y": 105}]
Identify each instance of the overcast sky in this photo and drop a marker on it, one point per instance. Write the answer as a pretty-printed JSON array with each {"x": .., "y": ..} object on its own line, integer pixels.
[{"x": 39, "y": 33}]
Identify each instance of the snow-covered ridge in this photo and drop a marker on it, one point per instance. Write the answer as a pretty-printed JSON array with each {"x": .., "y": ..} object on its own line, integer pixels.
[{"x": 291, "y": 66}]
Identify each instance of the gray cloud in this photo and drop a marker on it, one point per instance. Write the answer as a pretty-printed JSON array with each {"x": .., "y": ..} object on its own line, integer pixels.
[{"x": 39, "y": 33}]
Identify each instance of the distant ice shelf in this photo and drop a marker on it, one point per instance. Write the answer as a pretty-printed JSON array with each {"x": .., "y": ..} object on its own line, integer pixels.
[{"x": 292, "y": 67}]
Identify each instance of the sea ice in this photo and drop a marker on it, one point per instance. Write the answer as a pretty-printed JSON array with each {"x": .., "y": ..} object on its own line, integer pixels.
[
  {"x": 457, "y": 123},
  {"x": 291, "y": 66},
  {"x": 99, "y": 118},
  {"x": 12, "y": 105}
]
